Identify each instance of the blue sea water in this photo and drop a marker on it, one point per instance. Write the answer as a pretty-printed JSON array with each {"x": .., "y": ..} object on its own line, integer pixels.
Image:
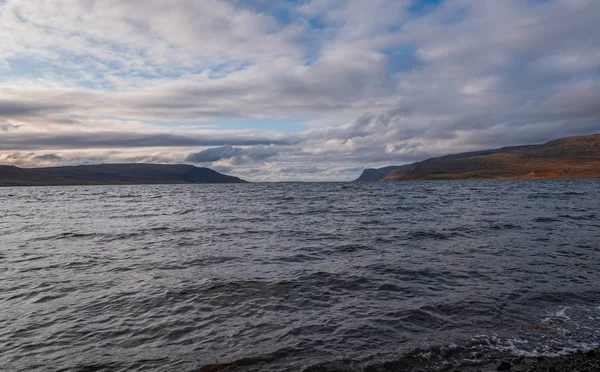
[{"x": 292, "y": 276}]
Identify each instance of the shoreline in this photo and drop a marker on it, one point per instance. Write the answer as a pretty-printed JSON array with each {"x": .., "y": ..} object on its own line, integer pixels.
[{"x": 578, "y": 361}]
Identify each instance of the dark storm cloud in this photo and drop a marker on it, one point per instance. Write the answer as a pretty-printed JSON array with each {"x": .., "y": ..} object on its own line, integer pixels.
[
  {"x": 9, "y": 127},
  {"x": 240, "y": 155},
  {"x": 10, "y": 109},
  {"x": 126, "y": 140},
  {"x": 48, "y": 157},
  {"x": 17, "y": 156}
]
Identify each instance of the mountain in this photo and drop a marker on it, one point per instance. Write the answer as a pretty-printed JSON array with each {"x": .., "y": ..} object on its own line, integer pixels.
[
  {"x": 572, "y": 157},
  {"x": 109, "y": 174}
]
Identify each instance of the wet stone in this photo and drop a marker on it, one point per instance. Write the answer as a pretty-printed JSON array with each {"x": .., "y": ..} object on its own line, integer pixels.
[{"x": 504, "y": 366}]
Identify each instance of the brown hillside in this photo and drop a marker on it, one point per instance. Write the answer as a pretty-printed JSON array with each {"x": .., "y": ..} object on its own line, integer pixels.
[{"x": 573, "y": 157}]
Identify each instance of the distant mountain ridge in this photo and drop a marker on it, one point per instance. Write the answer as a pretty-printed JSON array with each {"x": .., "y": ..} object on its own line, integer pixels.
[
  {"x": 571, "y": 157},
  {"x": 111, "y": 174}
]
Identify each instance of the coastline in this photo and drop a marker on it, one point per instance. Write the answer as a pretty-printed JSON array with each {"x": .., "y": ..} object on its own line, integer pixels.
[{"x": 579, "y": 361}]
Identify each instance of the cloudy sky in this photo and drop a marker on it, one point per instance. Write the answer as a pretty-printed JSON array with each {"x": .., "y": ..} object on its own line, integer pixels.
[{"x": 291, "y": 89}]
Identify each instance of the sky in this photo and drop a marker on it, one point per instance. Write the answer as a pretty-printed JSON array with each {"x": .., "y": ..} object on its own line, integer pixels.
[{"x": 291, "y": 90}]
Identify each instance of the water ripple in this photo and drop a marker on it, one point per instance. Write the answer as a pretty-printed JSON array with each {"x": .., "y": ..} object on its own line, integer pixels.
[{"x": 306, "y": 277}]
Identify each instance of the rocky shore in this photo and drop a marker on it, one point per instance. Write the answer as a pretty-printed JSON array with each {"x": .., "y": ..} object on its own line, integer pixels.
[{"x": 578, "y": 362}]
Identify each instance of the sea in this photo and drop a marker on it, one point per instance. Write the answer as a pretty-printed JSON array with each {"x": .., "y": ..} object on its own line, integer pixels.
[{"x": 404, "y": 276}]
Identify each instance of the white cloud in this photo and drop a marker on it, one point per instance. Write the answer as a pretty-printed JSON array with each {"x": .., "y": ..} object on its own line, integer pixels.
[{"x": 108, "y": 80}]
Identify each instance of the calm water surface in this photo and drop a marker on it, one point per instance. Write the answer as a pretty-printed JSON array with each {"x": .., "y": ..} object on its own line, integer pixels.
[{"x": 292, "y": 277}]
